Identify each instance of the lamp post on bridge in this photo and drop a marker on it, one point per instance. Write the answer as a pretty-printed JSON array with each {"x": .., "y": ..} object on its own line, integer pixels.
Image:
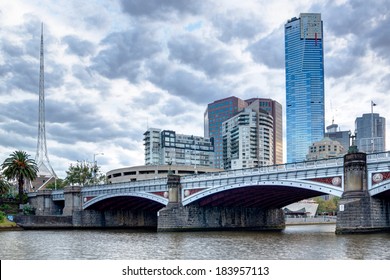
[{"x": 95, "y": 165}]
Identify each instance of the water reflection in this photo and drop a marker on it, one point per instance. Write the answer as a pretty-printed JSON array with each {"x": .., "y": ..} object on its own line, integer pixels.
[{"x": 309, "y": 242}]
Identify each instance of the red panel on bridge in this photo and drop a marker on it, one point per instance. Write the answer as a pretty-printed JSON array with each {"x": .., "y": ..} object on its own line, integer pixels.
[
  {"x": 333, "y": 181},
  {"x": 379, "y": 177},
  {"x": 159, "y": 193}
]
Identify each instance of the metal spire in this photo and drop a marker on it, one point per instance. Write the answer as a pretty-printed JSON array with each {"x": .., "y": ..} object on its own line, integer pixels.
[{"x": 41, "y": 157}]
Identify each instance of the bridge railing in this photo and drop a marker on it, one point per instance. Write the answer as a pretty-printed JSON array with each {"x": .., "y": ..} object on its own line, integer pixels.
[
  {"x": 287, "y": 167},
  {"x": 376, "y": 157},
  {"x": 296, "y": 166},
  {"x": 57, "y": 194},
  {"x": 150, "y": 185}
]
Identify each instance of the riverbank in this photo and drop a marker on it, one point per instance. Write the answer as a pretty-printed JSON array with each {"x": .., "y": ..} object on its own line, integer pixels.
[
  {"x": 8, "y": 225},
  {"x": 65, "y": 222},
  {"x": 311, "y": 220}
]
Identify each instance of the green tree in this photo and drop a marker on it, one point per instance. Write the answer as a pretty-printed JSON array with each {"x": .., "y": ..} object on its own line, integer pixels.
[
  {"x": 20, "y": 167},
  {"x": 4, "y": 185},
  {"x": 84, "y": 173},
  {"x": 328, "y": 206},
  {"x": 58, "y": 184}
]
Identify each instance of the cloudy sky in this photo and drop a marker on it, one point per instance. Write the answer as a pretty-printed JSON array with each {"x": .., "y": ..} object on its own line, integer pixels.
[{"x": 113, "y": 68}]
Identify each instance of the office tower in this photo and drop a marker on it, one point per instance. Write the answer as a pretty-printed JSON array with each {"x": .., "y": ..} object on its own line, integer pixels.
[
  {"x": 274, "y": 108},
  {"x": 216, "y": 113},
  {"x": 342, "y": 137},
  {"x": 370, "y": 133},
  {"x": 248, "y": 139},
  {"x": 304, "y": 59},
  {"x": 166, "y": 146}
]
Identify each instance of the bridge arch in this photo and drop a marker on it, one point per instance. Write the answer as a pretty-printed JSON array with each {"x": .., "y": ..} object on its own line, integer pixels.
[
  {"x": 381, "y": 189},
  {"x": 264, "y": 194},
  {"x": 139, "y": 200}
]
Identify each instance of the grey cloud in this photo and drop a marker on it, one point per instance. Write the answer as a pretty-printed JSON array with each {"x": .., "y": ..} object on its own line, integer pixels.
[
  {"x": 232, "y": 25},
  {"x": 21, "y": 61},
  {"x": 361, "y": 18},
  {"x": 147, "y": 99},
  {"x": 183, "y": 83},
  {"x": 160, "y": 9},
  {"x": 203, "y": 56},
  {"x": 172, "y": 107},
  {"x": 346, "y": 61},
  {"x": 350, "y": 17},
  {"x": 24, "y": 112},
  {"x": 78, "y": 46},
  {"x": 380, "y": 39},
  {"x": 98, "y": 21},
  {"x": 269, "y": 50},
  {"x": 125, "y": 54}
]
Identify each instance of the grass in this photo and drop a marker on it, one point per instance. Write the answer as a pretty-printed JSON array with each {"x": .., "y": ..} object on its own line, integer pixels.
[{"x": 7, "y": 224}]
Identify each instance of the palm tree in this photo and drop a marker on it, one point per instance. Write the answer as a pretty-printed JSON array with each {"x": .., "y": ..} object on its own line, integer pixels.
[
  {"x": 20, "y": 167},
  {"x": 4, "y": 185}
]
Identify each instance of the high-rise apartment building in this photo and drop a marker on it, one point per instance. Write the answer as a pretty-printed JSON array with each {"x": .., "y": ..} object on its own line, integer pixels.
[
  {"x": 248, "y": 139},
  {"x": 273, "y": 108},
  {"x": 370, "y": 133},
  {"x": 222, "y": 110},
  {"x": 216, "y": 113},
  {"x": 304, "y": 59},
  {"x": 152, "y": 143},
  {"x": 165, "y": 146}
]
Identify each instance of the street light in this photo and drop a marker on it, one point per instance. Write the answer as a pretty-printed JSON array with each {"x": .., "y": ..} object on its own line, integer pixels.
[
  {"x": 95, "y": 164},
  {"x": 372, "y": 125}
]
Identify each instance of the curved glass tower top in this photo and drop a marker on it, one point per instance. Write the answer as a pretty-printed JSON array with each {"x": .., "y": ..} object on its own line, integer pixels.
[{"x": 304, "y": 60}]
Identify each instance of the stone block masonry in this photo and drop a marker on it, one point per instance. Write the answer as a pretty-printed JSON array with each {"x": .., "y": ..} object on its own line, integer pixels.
[
  {"x": 361, "y": 213},
  {"x": 191, "y": 218},
  {"x": 358, "y": 211},
  {"x": 114, "y": 219}
]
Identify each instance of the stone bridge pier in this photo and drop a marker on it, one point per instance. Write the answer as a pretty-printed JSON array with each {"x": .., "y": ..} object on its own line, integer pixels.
[
  {"x": 176, "y": 217},
  {"x": 358, "y": 212}
]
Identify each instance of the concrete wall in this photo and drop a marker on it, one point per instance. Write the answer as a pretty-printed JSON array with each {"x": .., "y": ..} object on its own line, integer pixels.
[
  {"x": 185, "y": 218},
  {"x": 43, "y": 222}
]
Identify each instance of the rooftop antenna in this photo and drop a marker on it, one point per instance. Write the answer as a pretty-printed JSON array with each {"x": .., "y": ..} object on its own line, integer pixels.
[{"x": 41, "y": 157}]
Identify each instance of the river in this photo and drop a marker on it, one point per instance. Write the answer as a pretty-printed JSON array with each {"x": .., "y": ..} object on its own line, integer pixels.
[{"x": 307, "y": 242}]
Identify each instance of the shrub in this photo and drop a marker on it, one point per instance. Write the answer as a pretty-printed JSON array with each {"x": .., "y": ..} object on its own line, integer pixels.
[
  {"x": 2, "y": 216},
  {"x": 28, "y": 210},
  {"x": 5, "y": 207},
  {"x": 24, "y": 199}
]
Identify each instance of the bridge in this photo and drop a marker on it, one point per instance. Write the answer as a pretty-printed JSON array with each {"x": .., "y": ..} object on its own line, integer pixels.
[{"x": 232, "y": 199}]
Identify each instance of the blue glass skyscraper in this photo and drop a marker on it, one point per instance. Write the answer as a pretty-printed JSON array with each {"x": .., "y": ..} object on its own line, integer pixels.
[{"x": 304, "y": 58}]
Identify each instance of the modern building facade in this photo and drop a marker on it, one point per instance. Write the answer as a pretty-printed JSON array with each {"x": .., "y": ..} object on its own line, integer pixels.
[
  {"x": 370, "y": 133},
  {"x": 222, "y": 110},
  {"x": 273, "y": 108},
  {"x": 248, "y": 140},
  {"x": 333, "y": 132},
  {"x": 216, "y": 113},
  {"x": 167, "y": 147},
  {"x": 304, "y": 61}
]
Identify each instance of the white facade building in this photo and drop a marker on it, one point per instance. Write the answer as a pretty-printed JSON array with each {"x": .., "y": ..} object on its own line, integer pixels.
[
  {"x": 248, "y": 140},
  {"x": 165, "y": 146},
  {"x": 326, "y": 148}
]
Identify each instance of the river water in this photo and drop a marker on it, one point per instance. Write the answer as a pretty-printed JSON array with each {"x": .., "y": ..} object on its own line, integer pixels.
[{"x": 308, "y": 242}]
